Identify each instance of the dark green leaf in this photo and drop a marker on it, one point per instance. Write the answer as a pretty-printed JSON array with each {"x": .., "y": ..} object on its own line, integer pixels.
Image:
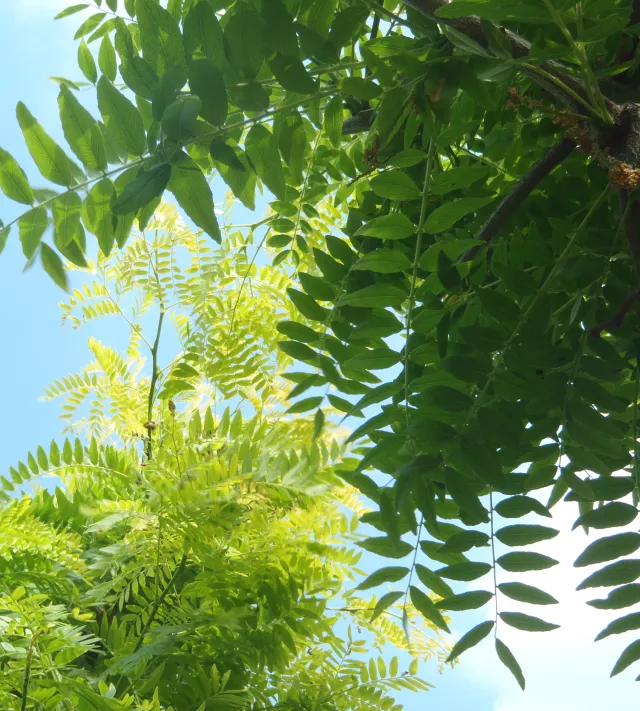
[
  {"x": 143, "y": 189},
  {"x": 630, "y": 655},
  {"x": 507, "y": 658},
  {"x": 384, "y": 602},
  {"x": 622, "y": 624},
  {"x": 525, "y": 535},
  {"x": 394, "y": 185},
  {"x": 471, "y": 600},
  {"x": 609, "y": 548},
  {"x": 447, "y": 215},
  {"x": 375, "y": 359},
  {"x": 383, "y": 261},
  {"x": 97, "y": 213},
  {"x": 262, "y": 149},
  {"x": 291, "y": 74},
  {"x": 376, "y": 296},
  {"x": 470, "y": 639},
  {"x": 395, "y": 226},
  {"x": 332, "y": 123},
  {"x": 426, "y": 608},
  {"x": 458, "y": 178},
  {"x": 305, "y": 405},
  {"x": 160, "y": 38},
  {"x": 202, "y": 31},
  {"x": 528, "y": 623},
  {"x": 205, "y": 80},
  {"x": 180, "y": 118},
  {"x": 384, "y": 575},
  {"x": 521, "y": 561},
  {"x": 386, "y": 547},
  {"x": 192, "y": 191},
  {"x": 518, "y": 506},
  {"x": 241, "y": 181},
  {"x": 464, "y": 571},
  {"x": 307, "y": 306},
  {"x": 610, "y": 515},
  {"x": 361, "y": 88},
  {"x": 526, "y": 593},
  {"x": 622, "y": 571},
  {"x": 243, "y": 39},
  {"x": 464, "y": 541},
  {"x": 624, "y": 596}
]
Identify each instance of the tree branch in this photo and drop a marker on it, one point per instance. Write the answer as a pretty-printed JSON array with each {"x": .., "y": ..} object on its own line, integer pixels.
[
  {"x": 510, "y": 204},
  {"x": 631, "y": 221},
  {"x": 150, "y": 425}
]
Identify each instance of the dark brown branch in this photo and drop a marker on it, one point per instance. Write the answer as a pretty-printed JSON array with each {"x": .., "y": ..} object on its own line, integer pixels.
[
  {"x": 609, "y": 324},
  {"x": 510, "y": 204},
  {"x": 631, "y": 221}
]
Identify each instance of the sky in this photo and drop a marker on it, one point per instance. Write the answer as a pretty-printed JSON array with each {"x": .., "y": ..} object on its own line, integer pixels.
[{"x": 565, "y": 670}]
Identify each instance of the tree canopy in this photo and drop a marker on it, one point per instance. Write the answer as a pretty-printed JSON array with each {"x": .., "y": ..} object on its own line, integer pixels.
[{"x": 480, "y": 162}]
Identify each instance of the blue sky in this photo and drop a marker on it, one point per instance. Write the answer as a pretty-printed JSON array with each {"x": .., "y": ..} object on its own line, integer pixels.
[{"x": 565, "y": 671}]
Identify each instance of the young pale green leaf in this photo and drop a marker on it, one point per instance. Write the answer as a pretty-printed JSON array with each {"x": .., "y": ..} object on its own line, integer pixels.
[
  {"x": 383, "y": 261},
  {"x": 181, "y": 117},
  {"x": 385, "y": 602},
  {"x": 53, "y": 266},
  {"x": 192, "y": 191},
  {"x": 262, "y": 149},
  {"x": 527, "y": 623},
  {"x": 622, "y": 624},
  {"x": 291, "y": 74},
  {"x": 609, "y": 548},
  {"x": 630, "y": 655},
  {"x": 618, "y": 573},
  {"x": 394, "y": 185},
  {"x": 458, "y": 179},
  {"x": 386, "y": 547},
  {"x": 426, "y": 608},
  {"x": 465, "y": 572},
  {"x": 122, "y": 119},
  {"x": 395, "y": 226},
  {"x": 202, "y": 31},
  {"x": 244, "y": 40},
  {"x": 292, "y": 143},
  {"x": 89, "y": 25},
  {"x": 522, "y": 561},
  {"x": 31, "y": 226},
  {"x": 50, "y": 159},
  {"x": 507, "y": 658},
  {"x": 66, "y": 211},
  {"x": 107, "y": 59},
  {"x": 610, "y": 515},
  {"x": 160, "y": 38},
  {"x": 142, "y": 190},
  {"x": 332, "y": 122},
  {"x": 206, "y": 81},
  {"x": 71, "y": 10},
  {"x": 624, "y": 596},
  {"x": 470, "y": 639},
  {"x": 13, "y": 180},
  {"x": 87, "y": 63},
  {"x": 375, "y": 359},
  {"x": 4, "y": 236},
  {"x": 471, "y": 600},
  {"x": 97, "y": 213},
  {"x": 81, "y": 131},
  {"x": 524, "y": 535},
  {"x": 526, "y": 593},
  {"x": 518, "y": 506},
  {"x": 385, "y": 575},
  {"x": 447, "y": 215}
]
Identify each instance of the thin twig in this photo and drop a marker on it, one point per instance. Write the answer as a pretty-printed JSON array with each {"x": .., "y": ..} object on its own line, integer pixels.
[{"x": 152, "y": 386}]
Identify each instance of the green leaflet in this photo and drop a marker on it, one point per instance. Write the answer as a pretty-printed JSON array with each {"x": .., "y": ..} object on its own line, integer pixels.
[
  {"x": 622, "y": 571},
  {"x": 54, "y": 267},
  {"x": 307, "y": 306},
  {"x": 180, "y": 118},
  {"x": 206, "y": 81},
  {"x": 464, "y": 541},
  {"x": 464, "y": 571},
  {"x": 395, "y": 185},
  {"x": 66, "y": 211},
  {"x": 622, "y": 624},
  {"x": 385, "y": 602},
  {"x": 107, "y": 59},
  {"x": 244, "y": 43},
  {"x": 50, "y": 159},
  {"x": 630, "y": 655},
  {"x": 506, "y": 657},
  {"x": 310, "y": 403},
  {"x": 524, "y": 535},
  {"x": 526, "y": 593},
  {"x": 262, "y": 149},
  {"x": 97, "y": 211},
  {"x": 193, "y": 194},
  {"x": 624, "y": 596},
  {"x": 142, "y": 190},
  {"x": 291, "y": 74},
  {"x": 160, "y": 38},
  {"x": 471, "y": 600},
  {"x": 470, "y": 639},
  {"x": 609, "y": 548},
  {"x": 376, "y": 359},
  {"x": 528, "y": 623},
  {"x": 609, "y": 515},
  {"x": 31, "y": 227},
  {"x": 518, "y": 506},
  {"x": 292, "y": 143},
  {"x": 426, "y": 608},
  {"x": 332, "y": 122},
  {"x": 458, "y": 178},
  {"x": 386, "y": 547},
  {"x": 81, "y": 131},
  {"x": 447, "y": 215},
  {"x": 378, "y": 295},
  {"x": 395, "y": 226},
  {"x": 87, "y": 63},
  {"x": 122, "y": 119},
  {"x": 522, "y": 561},
  {"x": 202, "y": 31},
  {"x": 384, "y": 575},
  {"x": 13, "y": 181},
  {"x": 361, "y": 88}
]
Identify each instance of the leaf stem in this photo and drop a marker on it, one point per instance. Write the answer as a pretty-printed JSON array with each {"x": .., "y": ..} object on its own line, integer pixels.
[{"x": 493, "y": 560}]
